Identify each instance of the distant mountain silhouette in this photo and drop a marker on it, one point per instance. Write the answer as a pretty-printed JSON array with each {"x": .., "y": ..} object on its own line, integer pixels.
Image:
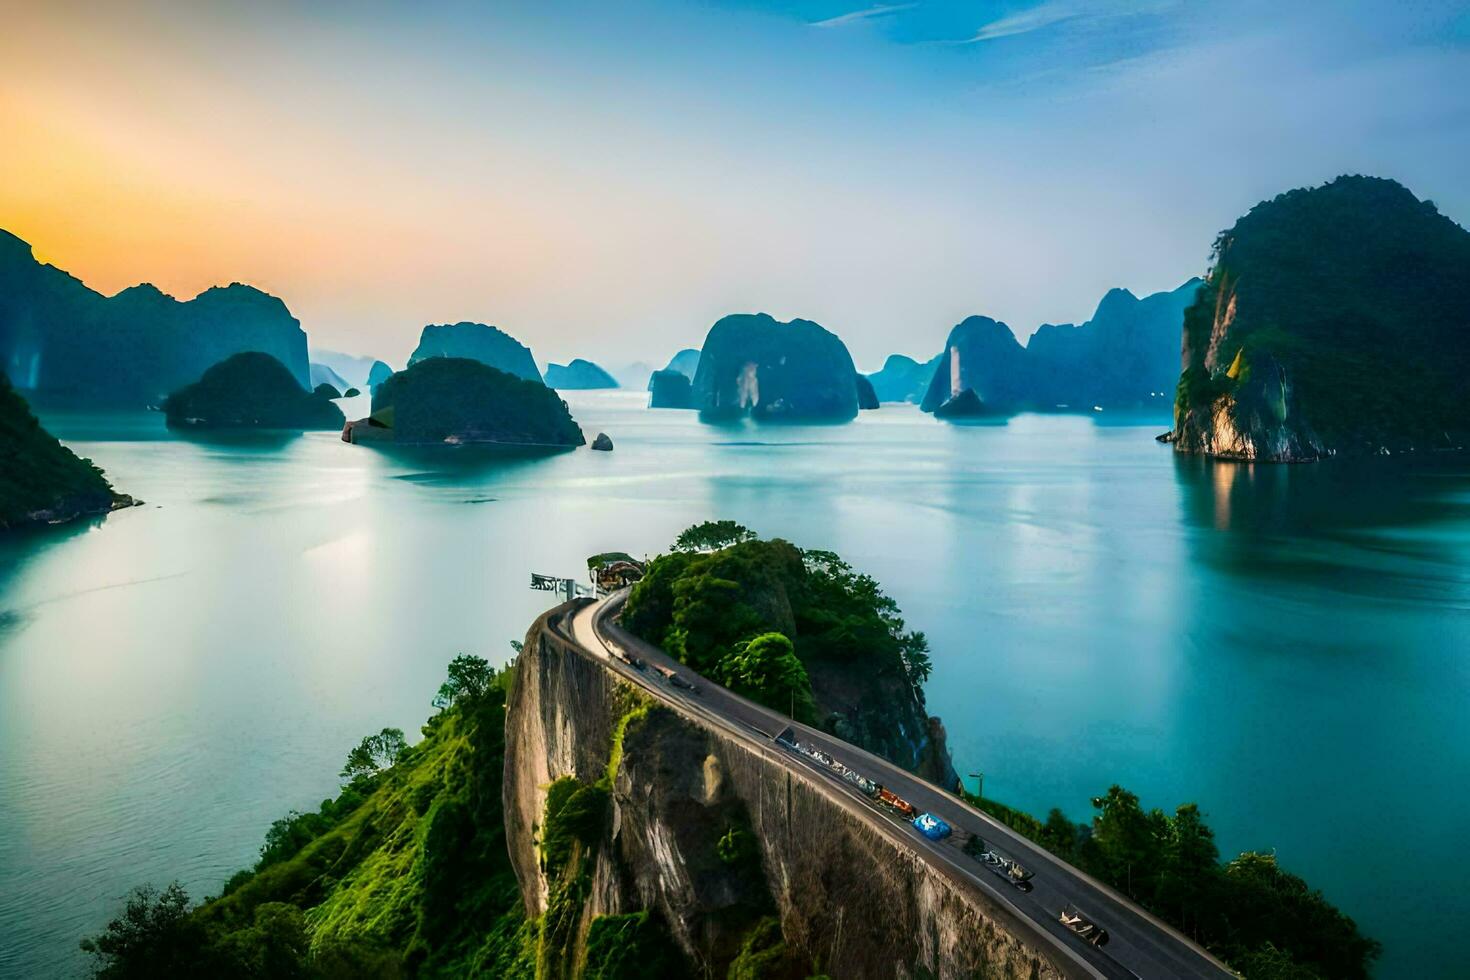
[
  {"x": 321, "y": 374},
  {"x": 63, "y": 343},
  {"x": 1126, "y": 356},
  {"x": 351, "y": 368},
  {"x": 478, "y": 342},
  {"x": 903, "y": 379},
  {"x": 578, "y": 374}
]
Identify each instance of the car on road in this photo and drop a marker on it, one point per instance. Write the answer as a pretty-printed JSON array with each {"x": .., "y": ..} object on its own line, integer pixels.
[
  {"x": 931, "y": 826},
  {"x": 1083, "y": 927}
]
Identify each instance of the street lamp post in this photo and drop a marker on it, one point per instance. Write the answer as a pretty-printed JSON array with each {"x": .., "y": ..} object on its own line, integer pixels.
[{"x": 979, "y": 778}]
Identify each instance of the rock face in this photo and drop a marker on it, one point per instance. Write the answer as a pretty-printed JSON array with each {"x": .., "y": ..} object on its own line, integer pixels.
[
  {"x": 378, "y": 373},
  {"x": 866, "y": 396},
  {"x": 669, "y": 389},
  {"x": 754, "y": 365},
  {"x": 41, "y": 481},
  {"x": 982, "y": 355},
  {"x": 63, "y": 343},
  {"x": 841, "y": 894},
  {"x": 323, "y": 375},
  {"x": 478, "y": 342},
  {"x": 602, "y": 443},
  {"x": 251, "y": 390},
  {"x": 903, "y": 379},
  {"x": 457, "y": 401},
  {"x": 1336, "y": 320},
  {"x": 686, "y": 362},
  {"x": 579, "y": 374}
]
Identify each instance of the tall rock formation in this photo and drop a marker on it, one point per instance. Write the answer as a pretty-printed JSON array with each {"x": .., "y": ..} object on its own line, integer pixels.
[
  {"x": 63, "y": 343},
  {"x": 752, "y": 364},
  {"x": 1335, "y": 320},
  {"x": 478, "y": 342},
  {"x": 669, "y": 389},
  {"x": 866, "y": 396},
  {"x": 378, "y": 373},
  {"x": 981, "y": 354}
]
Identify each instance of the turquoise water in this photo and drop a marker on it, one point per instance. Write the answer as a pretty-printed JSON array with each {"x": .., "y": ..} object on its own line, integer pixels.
[{"x": 1287, "y": 646}]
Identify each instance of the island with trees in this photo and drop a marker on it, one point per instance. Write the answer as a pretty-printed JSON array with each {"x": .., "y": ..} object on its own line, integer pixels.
[{"x": 252, "y": 390}]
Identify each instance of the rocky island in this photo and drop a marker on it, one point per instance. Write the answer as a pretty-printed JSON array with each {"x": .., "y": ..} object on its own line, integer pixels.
[
  {"x": 754, "y": 365},
  {"x": 578, "y": 375},
  {"x": 478, "y": 342},
  {"x": 62, "y": 343},
  {"x": 41, "y": 481},
  {"x": 1335, "y": 321},
  {"x": 981, "y": 355},
  {"x": 669, "y": 389},
  {"x": 251, "y": 391},
  {"x": 459, "y": 401},
  {"x": 377, "y": 374}
]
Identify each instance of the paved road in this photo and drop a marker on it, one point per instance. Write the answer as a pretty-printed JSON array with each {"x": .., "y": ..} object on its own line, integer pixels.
[{"x": 1139, "y": 944}]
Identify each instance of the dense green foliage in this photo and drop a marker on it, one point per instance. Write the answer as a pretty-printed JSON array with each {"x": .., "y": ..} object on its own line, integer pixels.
[
  {"x": 458, "y": 399},
  {"x": 251, "y": 390},
  {"x": 405, "y": 873},
  {"x": 631, "y": 947},
  {"x": 40, "y": 479},
  {"x": 857, "y": 669},
  {"x": 705, "y": 608},
  {"x": 1361, "y": 292},
  {"x": 1267, "y": 923},
  {"x": 712, "y": 536}
]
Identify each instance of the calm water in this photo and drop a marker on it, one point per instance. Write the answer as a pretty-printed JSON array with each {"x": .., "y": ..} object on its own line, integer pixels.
[{"x": 1288, "y": 646}]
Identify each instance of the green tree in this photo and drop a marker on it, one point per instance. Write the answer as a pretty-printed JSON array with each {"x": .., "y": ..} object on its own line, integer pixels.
[
  {"x": 1059, "y": 835},
  {"x": 469, "y": 678},
  {"x": 1130, "y": 840},
  {"x": 155, "y": 936},
  {"x": 374, "y": 754},
  {"x": 766, "y": 669},
  {"x": 712, "y": 536},
  {"x": 1188, "y": 880}
]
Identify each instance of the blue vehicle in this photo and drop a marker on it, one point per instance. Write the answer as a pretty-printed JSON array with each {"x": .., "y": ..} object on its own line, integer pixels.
[{"x": 931, "y": 826}]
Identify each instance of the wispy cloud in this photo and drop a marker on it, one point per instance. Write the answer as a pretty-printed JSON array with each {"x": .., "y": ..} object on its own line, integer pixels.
[
  {"x": 1055, "y": 12},
  {"x": 867, "y": 13},
  {"x": 1027, "y": 21}
]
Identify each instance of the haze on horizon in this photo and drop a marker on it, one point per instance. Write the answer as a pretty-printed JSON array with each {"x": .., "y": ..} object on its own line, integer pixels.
[{"x": 607, "y": 180}]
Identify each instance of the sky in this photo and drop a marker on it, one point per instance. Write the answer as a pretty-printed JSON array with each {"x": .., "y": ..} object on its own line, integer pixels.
[{"x": 607, "y": 179}]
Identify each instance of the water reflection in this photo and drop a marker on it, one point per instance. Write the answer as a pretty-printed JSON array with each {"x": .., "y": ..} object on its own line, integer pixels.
[{"x": 1373, "y": 527}]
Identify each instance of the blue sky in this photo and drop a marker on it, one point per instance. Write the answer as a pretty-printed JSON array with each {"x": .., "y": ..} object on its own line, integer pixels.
[{"x": 606, "y": 180}]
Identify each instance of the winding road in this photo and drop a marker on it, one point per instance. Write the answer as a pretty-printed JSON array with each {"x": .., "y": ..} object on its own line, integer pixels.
[{"x": 1140, "y": 945}]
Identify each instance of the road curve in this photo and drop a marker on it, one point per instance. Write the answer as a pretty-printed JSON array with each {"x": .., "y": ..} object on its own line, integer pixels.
[{"x": 1140, "y": 945}]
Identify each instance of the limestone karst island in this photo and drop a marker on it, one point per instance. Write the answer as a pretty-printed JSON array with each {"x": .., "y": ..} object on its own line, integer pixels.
[{"x": 813, "y": 490}]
